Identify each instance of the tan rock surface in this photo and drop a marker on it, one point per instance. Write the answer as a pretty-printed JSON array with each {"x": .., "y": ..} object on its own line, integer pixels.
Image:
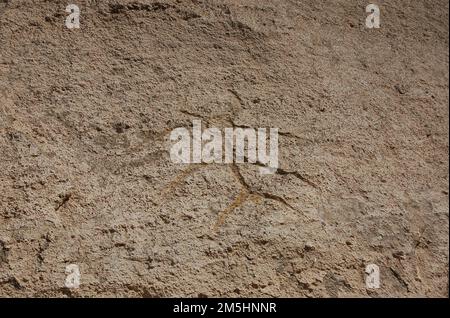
[{"x": 86, "y": 177}]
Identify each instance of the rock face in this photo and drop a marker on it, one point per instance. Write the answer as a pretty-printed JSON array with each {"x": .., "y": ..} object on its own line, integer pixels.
[{"x": 86, "y": 177}]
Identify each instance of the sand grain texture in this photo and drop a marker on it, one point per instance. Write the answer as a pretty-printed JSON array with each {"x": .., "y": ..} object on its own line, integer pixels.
[{"x": 86, "y": 177}]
